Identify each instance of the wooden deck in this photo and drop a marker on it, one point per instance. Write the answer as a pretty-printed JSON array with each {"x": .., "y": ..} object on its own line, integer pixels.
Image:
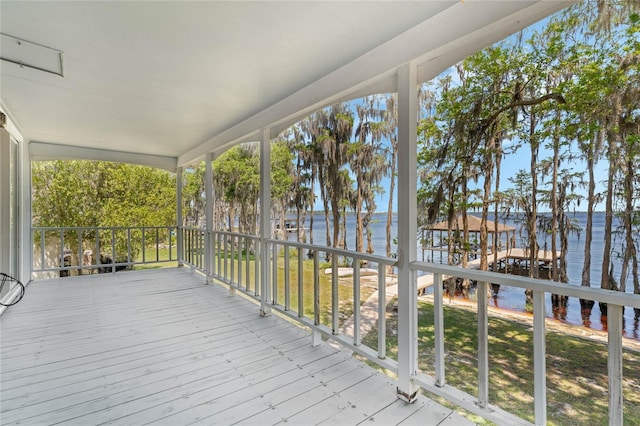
[{"x": 161, "y": 347}]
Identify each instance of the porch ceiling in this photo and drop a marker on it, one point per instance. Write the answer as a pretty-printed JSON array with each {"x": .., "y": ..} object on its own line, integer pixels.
[{"x": 181, "y": 79}]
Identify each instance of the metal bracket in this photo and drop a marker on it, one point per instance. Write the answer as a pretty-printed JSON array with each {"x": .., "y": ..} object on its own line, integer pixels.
[{"x": 409, "y": 399}]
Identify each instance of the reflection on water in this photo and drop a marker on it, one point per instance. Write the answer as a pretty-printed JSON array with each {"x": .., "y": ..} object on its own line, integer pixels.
[{"x": 512, "y": 298}]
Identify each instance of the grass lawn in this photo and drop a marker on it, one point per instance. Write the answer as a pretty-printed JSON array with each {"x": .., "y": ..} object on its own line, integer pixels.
[
  {"x": 576, "y": 367},
  {"x": 162, "y": 256},
  {"x": 345, "y": 287}
]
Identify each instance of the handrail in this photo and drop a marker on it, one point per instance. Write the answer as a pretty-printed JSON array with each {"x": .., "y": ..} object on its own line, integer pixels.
[
  {"x": 80, "y": 249},
  {"x": 546, "y": 286}
]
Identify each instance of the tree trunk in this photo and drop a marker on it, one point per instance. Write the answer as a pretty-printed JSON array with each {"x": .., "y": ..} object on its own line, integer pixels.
[
  {"x": 587, "y": 305},
  {"x": 359, "y": 224},
  {"x": 532, "y": 216},
  {"x": 605, "y": 282},
  {"x": 392, "y": 186}
]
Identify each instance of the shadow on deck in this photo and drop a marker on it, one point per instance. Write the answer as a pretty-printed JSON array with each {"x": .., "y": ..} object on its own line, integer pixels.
[{"x": 160, "y": 346}]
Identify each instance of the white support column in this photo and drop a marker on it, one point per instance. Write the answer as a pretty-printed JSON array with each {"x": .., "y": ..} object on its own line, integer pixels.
[
  {"x": 208, "y": 190},
  {"x": 407, "y": 229},
  {"x": 180, "y": 244},
  {"x": 25, "y": 262},
  {"x": 265, "y": 222},
  {"x": 6, "y": 204}
]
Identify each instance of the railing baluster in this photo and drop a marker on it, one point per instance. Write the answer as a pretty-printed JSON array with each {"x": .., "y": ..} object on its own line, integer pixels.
[
  {"x": 356, "y": 302},
  {"x": 257, "y": 264},
  {"x": 129, "y": 245},
  {"x": 79, "y": 234},
  {"x": 287, "y": 280},
  {"x": 225, "y": 275},
  {"x": 169, "y": 230},
  {"x": 144, "y": 245},
  {"x": 219, "y": 254},
  {"x": 201, "y": 253},
  {"x": 232, "y": 261},
  {"x": 274, "y": 274},
  {"x": 316, "y": 289},
  {"x": 334, "y": 293},
  {"x": 539, "y": 358},
  {"x": 42, "y": 250},
  {"x": 438, "y": 332},
  {"x": 300, "y": 283},
  {"x": 483, "y": 344},
  {"x": 614, "y": 365},
  {"x": 315, "y": 334},
  {"x": 61, "y": 260},
  {"x": 113, "y": 250},
  {"x": 240, "y": 254},
  {"x": 246, "y": 265},
  {"x": 382, "y": 312},
  {"x": 97, "y": 252}
]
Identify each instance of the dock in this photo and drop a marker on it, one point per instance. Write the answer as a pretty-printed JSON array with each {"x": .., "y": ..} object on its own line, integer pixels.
[{"x": 517, "y": 254}]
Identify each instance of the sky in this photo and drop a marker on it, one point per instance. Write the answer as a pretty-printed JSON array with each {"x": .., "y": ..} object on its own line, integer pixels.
[{"x": 511, "y": 166}]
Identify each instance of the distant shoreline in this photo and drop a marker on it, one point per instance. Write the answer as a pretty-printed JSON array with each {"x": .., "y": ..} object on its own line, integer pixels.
[{"x": 293, "y": 214}]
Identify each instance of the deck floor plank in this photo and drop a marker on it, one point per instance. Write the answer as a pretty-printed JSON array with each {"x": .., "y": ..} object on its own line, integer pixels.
[{"x": 162, "y": 347}]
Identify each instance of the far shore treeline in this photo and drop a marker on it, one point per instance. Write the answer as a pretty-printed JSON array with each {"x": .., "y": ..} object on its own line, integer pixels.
[{"x": 566, "y": 93}]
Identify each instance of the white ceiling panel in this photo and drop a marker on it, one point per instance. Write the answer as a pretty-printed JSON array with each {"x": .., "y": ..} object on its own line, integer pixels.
[{"x": 179, "y": 79}]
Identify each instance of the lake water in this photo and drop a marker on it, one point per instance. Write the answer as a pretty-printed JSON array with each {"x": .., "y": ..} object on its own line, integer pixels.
[{"x": 513, "y": 298}]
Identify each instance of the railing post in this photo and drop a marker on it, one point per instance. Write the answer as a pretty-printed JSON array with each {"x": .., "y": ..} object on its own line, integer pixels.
[
  {"x": 407, "y": 231},
  {"x": 287, "y": 280},
  {"x": 539, "y": 358},
  {"x": 247, "y": 246},
  {"x": 356, "y": 302},
  {"x": 382, "y": 312},
  {"x": 274, "y": 274},
  {"x": 300, "y": 283},
  {"x": 315, "y": 334},
  {"x": 265, "y": 221},
  {"x": 614, "y": 366},
  {"x": 334, "y": 293},
  {"x": 483, "y": 344},
  {"x": 113, "y": 250},
  {"x": 179, "y": 241},
  {"x": 438, "y": 329}
]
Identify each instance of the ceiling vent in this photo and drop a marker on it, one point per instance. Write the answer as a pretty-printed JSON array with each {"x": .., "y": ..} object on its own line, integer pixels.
[{"x": 32, "y": 55}]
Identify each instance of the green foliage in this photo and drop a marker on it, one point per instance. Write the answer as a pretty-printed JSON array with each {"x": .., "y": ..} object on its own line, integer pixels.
[{"x": 102, "y": 194}]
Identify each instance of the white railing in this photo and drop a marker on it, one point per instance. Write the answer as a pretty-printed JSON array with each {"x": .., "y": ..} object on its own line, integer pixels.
[
  {"x": 193, "y": 247},
  {"x": 480, "y": 404},
  {"x": 64, "y": 251},
  {"x": 236, "y": 260}
]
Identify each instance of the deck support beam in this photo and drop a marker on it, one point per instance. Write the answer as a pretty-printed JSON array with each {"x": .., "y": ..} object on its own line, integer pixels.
[
  {"x": 407, "y": 229},
  {"x": 265, "y": 222}
]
